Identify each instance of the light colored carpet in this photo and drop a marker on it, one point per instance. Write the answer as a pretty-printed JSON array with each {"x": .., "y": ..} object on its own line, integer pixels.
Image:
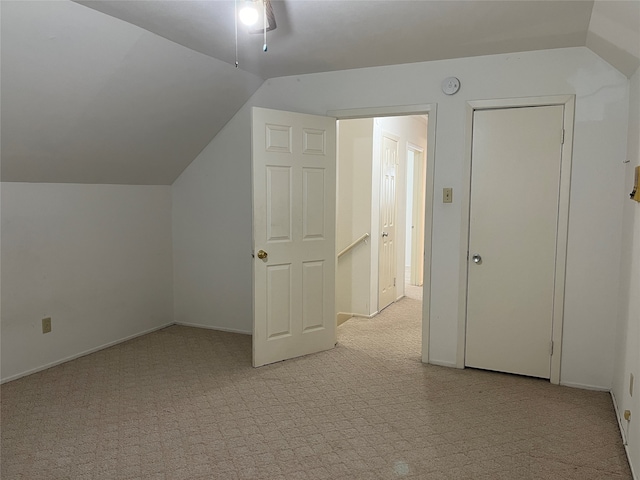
[{"x": 184, "y": 403}]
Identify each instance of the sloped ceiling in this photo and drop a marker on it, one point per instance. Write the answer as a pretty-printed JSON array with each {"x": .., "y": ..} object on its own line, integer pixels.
[
  {"x": 110, "y": 91},
  {"x": 323, "y": 35},
  {"x": 614, "y": 34},
  {"x": 88, "y": 98}
]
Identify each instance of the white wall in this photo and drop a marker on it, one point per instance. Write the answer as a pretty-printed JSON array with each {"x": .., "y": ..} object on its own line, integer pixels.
[
  {"x": 94, "y": 258},
  {"x": 409, "y": 211},
  {"x": 628, "y": 338},
  {"x": 212, "y": 236},
  {"x": 212, "y": 199},
  {"x": 355, "y": 156}
]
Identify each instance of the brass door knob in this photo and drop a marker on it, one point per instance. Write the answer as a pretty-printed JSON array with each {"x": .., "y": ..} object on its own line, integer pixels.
[{"x": 262, "y": 254}]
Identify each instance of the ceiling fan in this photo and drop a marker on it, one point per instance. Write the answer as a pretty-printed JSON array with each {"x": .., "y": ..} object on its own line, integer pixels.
[{"x": 255, "y": 12}]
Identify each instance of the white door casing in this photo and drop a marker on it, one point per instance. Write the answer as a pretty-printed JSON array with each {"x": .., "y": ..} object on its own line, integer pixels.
[
  {"x": 294, "y": 201},
  {"x": 515, "y": 188},
  {"x": 387, "y": 249},
  {"x": 417, "y": 232}
]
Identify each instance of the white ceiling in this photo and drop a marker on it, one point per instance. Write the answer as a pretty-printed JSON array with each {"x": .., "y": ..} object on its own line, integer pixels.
[
  {"x": 109, "y": 91},
  {"x": 323, "y": 35},
  {"x": 614, "y": 33}
]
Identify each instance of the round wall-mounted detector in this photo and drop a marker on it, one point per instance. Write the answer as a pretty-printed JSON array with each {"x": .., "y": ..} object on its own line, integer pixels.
[{"x": 450, "y": 85}]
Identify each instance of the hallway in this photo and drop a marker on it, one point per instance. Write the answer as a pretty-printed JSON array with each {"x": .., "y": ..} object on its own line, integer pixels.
[{"x": 395, "y": 333}]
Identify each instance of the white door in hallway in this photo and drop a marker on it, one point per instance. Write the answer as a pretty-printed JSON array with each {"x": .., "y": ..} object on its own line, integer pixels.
[
  {"x": 515, "y": 185},
  {"x": 294, "y": 203},
  {"x": 387, "y": 251}
]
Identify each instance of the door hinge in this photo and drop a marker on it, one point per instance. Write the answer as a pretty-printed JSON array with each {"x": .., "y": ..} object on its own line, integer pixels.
[
  {"x": 551, "y": 348},
  {"x": 394, "y": 281},
  {"x": 563, "y": 132}
]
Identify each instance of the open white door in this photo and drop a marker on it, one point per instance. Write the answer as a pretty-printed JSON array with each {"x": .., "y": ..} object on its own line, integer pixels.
[
  {"x": 387, "y": 254},
  {"x": 294, "y": 204}
]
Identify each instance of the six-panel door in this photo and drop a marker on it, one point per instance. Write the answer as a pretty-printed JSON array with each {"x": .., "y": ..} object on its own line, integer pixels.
[
  {"x": 387, "y": 254},
  {"x": 294, "y": 202}
]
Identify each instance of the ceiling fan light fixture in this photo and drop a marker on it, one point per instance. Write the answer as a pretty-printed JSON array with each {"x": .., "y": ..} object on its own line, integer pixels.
[
  {"x": 254, "y": 12},
  {"x": 249, "y": 13}
]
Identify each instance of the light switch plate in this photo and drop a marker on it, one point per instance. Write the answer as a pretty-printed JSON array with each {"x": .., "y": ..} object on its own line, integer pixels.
[{"x": 447, "y": 195}]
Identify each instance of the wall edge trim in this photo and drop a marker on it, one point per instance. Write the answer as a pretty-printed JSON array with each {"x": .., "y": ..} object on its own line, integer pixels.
[
  {"x": 623, "y": 434},
  {"x": 82, "y": 354},
  {"x": 443, "y": 363},
  {"x": 209, "y": 327},
  {"x": 585, "y": 386},
  {"x": 362, "y": 315}
]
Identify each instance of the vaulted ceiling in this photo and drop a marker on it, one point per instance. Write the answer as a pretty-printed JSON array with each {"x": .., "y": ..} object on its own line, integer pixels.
[
  {"x": 129, "y": 92},
  {"x": 87, "y": 98},
  {"x": 316, "y": 36}
]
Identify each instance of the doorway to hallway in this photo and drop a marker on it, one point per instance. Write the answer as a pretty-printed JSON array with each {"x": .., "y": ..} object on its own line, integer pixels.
[{"x": 380, "y": 213}]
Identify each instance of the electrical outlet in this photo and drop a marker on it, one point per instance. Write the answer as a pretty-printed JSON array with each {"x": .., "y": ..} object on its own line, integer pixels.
[
  {"x": 447, "y": 195},
  {"x": 631, "y": 384},
  {"x": 46, "y": 325}
]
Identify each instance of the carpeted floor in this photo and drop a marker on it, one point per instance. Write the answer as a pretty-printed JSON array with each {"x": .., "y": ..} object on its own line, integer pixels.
[{"x": 184, "y": 403}]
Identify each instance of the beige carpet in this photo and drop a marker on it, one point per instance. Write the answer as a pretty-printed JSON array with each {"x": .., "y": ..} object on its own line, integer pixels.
[{"x": 184, "y": 403}]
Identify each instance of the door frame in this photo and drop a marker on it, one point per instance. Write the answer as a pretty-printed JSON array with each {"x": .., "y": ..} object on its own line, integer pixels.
[
  {"x": 418, "y": 199},
  {"x": 429, "y": 109},
  {"x": 568, "y": 101}
]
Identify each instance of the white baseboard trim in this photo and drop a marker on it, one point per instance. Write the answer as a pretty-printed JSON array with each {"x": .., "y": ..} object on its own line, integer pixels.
[
  {"x": 618, "y": 417},
  {"x": 361, "y": 315},
  {"x": 82, "y": 354},
  {"x": 634, "y": 473},
  {"x": 442, "y": 363},
  {"x": 111, "y": 344},
  {"x": 585, "y": 387},
  {"x": 209, "y": 327},
  {"x": 623, "y": 434}
]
